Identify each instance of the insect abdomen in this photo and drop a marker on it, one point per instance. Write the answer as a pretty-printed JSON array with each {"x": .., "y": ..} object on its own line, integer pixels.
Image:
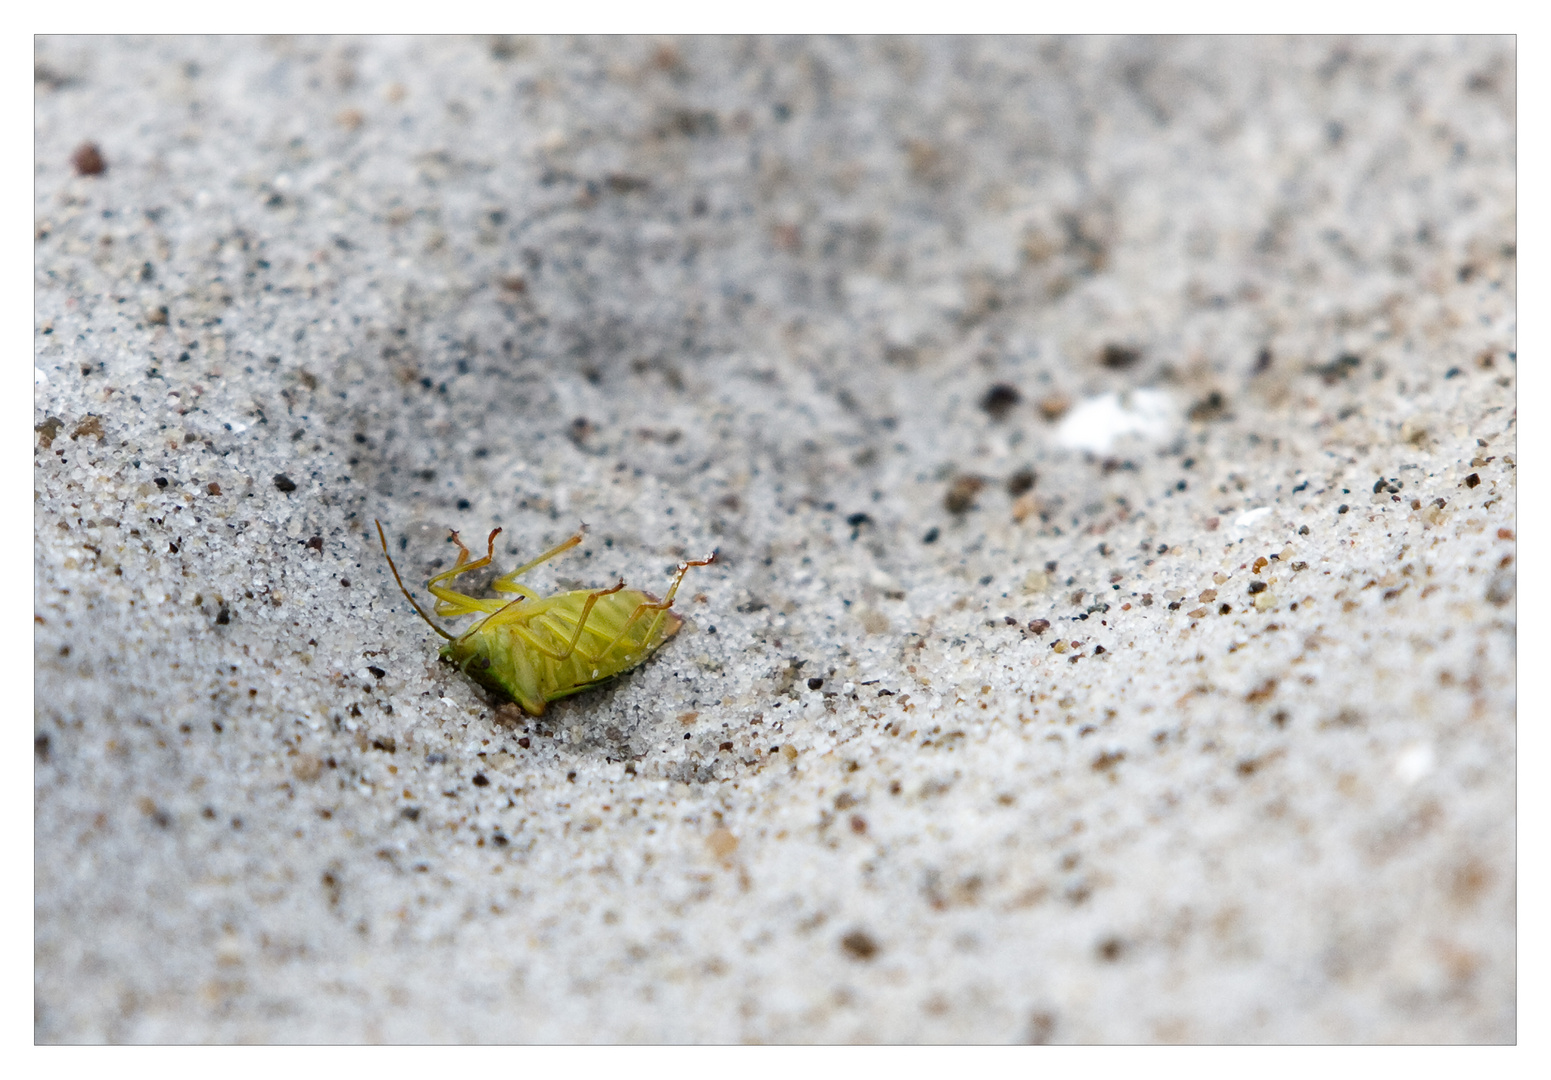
[
  {"x": 600, "y": 651},
  {"x": 530, "y": 658}
]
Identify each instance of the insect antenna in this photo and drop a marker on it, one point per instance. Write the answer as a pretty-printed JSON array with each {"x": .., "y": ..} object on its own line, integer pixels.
[{"x": 381, "y": 536}]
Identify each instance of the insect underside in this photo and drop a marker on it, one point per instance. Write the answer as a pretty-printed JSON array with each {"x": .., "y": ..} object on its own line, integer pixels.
[{"x": 536, "y": 649}]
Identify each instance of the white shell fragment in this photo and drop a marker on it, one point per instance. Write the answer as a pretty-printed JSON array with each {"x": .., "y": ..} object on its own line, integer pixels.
[{"x": 1097, "y": 423}]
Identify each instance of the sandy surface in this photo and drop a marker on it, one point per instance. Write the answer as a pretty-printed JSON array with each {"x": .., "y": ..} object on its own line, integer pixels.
[{"x": 1110, "y": 448}]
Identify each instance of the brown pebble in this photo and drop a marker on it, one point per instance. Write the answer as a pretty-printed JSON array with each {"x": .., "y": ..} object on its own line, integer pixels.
[
  {"x": 88, "y": 160},
  {"x": 1261, "y": 693},
  {"x": 1054, "y": 406},
  {"x": 92, "y": 425},
  {"x": 859, "y": 945},
  {"x": 1108, "y": 760},
  {"x": 1041, "y": 1026},
  {"x": 961, "y": 493},
  {"x": 1111, "y": 949},
  {"x": 1119, "y": 357},
  {"x": 1021, "y": 482},
  {"x": 48, "y": 430}
]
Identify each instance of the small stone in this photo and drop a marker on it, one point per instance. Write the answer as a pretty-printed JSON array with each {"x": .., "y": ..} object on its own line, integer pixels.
[
  {"x": 1415, "y": 430},
  {"x": 88, "y": 160},
  {"x": 1054, "y": 406},
  {"x": 1000, "y": 399},
  {"x": 722, "y": 843},
  {"x": 1035, "y": 582},
  {"x": 1021, "y": 482},
  {"x": 961, "y": 493},
  {"x": 859, "y": 945},
  {"x": 1119, "y": 357}
]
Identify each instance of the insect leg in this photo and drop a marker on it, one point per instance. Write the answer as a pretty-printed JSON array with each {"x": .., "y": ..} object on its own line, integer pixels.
[
  {"x": 660, "y": 607},
  {"x": 535, "y": 644},
  {"x": 552, "y": 660},
  {"x": 641, "y": 609},
  {"x": 581, "y": 622},
  {"x": 521, "y": 617},
  {"x": 557, "y": 626},
  {"x": 453, "y": 602},
  {"x": 673, "y": 589},
  {"x": 684, "y": 569},
  {"x": 507, "y": 582},
  {"x": 462, "y": 565}
]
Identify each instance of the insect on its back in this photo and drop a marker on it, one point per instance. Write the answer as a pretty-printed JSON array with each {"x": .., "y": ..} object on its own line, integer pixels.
[{"x": 535, "y": 649}]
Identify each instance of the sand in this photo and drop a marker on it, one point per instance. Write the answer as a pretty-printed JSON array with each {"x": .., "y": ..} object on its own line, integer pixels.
[{"x": 1110, "y": 449}]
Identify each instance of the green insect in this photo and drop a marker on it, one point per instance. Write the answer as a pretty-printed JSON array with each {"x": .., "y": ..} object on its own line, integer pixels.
[{"x": 536, "y": 649}]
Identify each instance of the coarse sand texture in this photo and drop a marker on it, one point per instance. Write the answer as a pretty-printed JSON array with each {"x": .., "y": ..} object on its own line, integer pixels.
[{"x": 1109, "y": 444}]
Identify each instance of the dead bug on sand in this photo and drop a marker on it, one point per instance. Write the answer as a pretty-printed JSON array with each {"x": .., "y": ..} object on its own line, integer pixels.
[{"x": 536, "y": 649}]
